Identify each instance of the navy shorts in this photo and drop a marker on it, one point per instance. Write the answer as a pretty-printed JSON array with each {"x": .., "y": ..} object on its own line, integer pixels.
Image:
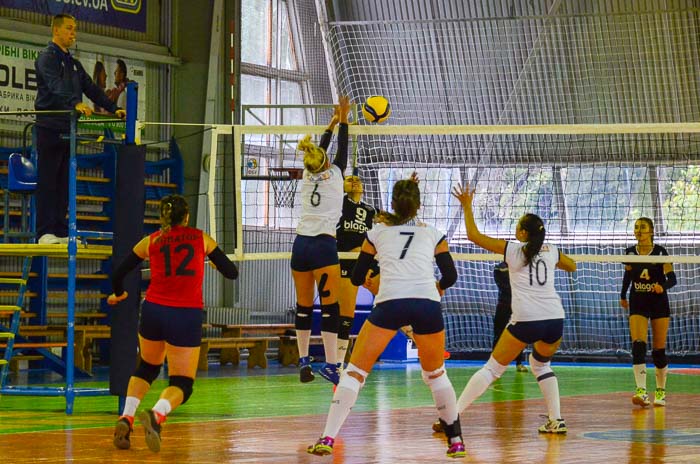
[
  {"x": 176, "y": 326},
  {"x": 425, "y": 316},
  {"x": 651, "y": 306},
  {"x": 311, "y": 253},
  {"x": 548, "y": 331}
]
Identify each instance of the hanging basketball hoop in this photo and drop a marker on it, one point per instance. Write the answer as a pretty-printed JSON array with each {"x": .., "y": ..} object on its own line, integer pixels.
[{"x": 284, "y": 185}]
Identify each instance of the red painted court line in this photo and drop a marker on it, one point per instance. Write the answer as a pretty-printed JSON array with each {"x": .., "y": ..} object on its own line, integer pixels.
[{"x": 689, "y": 371}]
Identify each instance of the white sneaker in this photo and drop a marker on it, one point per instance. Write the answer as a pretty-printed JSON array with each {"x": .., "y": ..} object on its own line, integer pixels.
[
  {"x": 49, "y": 239},
  {"x": 63, "y": 240}
]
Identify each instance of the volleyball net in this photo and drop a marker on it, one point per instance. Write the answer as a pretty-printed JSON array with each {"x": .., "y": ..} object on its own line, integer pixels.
[{"x": 589, "y": 183}]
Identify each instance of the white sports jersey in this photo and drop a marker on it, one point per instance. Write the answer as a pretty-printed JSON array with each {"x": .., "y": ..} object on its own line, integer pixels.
[
  {"x": 321, "y": 202},
  {"x": 534, "y": 296},
  {"x": 406, "y": 254}
]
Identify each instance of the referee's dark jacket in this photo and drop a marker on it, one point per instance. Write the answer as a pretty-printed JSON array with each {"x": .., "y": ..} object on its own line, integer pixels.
[{"x": 61, "y": 83}]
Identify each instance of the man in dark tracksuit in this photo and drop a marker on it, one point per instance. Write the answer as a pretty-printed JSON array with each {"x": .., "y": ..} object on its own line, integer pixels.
[{"x": 61, "y": 83}]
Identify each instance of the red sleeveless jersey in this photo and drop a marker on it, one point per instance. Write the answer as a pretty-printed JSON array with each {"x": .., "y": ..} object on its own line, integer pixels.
[{"x": 177, "y": 268}]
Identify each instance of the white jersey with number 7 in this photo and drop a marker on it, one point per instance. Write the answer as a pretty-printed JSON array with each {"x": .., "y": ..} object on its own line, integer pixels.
[{"x": 406, "y": 254}]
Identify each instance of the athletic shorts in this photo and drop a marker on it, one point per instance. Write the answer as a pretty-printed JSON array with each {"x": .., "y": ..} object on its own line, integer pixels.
[
  {"x": 425, "y": 316},
  {"x": 548, "y": 331},
  {"x": 311, "y": 253},
  {"x": 651, "y": 306},
  {"x": 176, "y": 326}
]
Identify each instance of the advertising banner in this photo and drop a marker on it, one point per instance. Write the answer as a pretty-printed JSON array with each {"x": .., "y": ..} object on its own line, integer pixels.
[{"x": 124, "y": 14}]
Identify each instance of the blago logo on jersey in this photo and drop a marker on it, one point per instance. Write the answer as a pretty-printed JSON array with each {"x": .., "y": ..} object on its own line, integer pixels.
[{"x": 355, "y": 226}]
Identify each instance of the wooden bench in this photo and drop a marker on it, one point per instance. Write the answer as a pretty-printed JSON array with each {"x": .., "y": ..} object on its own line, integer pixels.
[
  {"x": 83, "y": 338},
  {"x": 232, "y": 355},
  {"x": 256, "y": 346},
  {"x": 289, "y": 351}
]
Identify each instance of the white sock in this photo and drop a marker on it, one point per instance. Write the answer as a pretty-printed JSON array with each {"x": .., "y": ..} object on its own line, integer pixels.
[
  {"x": 445, "y": 400},
  {"x": 303, "y": 342},
  {"x": 661, "y": 377},
  {"x": 344, "y": 399},
  {"x": 342, "y": 349},
  {"x": 330, "y": 346},
  {"x": 163, "y": 407},
  {"x": 476, "y": 387},
  {"x": 640, "y": 375},
  {"x": 130, "y": 406},
  {"x": 550, "y": 391}
]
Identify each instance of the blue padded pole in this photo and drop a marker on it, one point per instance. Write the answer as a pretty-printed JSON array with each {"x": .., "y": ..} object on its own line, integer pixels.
[
  {"x": 72, "y": 261},
  {"x": 132, "y": 98}
]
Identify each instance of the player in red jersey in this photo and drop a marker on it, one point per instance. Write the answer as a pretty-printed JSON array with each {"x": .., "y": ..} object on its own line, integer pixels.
[{"x": 171, "y": 315}]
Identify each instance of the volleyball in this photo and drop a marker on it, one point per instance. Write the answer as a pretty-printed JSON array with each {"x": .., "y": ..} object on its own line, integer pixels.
[{"x": 376, "y": 109}]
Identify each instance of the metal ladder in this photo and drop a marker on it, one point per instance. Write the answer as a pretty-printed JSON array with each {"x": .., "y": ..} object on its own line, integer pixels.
[{"x": 9, "y": 335}]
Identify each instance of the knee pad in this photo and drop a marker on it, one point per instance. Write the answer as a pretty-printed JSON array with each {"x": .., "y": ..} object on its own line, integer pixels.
[
  {"x": 183, "y": 383},
  {"x": 344, "y": 327},
  {"x": 541, "y": 358},
  {"x": 330, "y": 318},
  {"x": 660, "y": 358},
  {"x": 639, "y": 352},
  {"x": 303, "y": 320},
  {"x": 146, "y": 371},
  {"x": 437, "y": 383},
  {"x": 541, "y": 370},
  {"x": 494, "y": 369},
  {"x": 350, "y": 382}
]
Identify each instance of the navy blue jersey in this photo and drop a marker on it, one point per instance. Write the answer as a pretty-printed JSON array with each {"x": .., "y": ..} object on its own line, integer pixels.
[
  {"x": 500, "y": 275},
  {"x": 354, "y": 223},
  {"x": 645, "y": 275}
]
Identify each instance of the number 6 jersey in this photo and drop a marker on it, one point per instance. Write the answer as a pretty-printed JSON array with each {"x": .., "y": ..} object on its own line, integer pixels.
[
  {"x": 533, "y": 295},
  {"x": 406, "y": 254},
  {"x": 321, "y": 202}
]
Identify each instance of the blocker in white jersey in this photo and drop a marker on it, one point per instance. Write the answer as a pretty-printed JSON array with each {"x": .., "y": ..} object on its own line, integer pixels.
[
  {"x": 314, "y": 260},
  {"x": 406, "y": 254},
  {"x": 538, "y": 316},
  {"x": 532, "y": 285},
  {"x": 321, "y": 202}
]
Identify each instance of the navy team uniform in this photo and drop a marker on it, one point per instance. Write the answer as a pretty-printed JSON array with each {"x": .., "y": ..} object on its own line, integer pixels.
[
  {"x": 351, "y": 230},
  {"x": 643, "y": 300}
]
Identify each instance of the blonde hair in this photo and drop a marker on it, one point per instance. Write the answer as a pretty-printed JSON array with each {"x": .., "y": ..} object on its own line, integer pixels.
[{"x": 314, "y": 156}]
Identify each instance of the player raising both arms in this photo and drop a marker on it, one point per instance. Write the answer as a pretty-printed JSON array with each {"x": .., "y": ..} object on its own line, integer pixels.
[
  {"x": 648, "y": 300},
  {"x": 408, "y": 295},
  {"x": 314, "y": 253},
  {"x": 350, "y": 232},
  {"x": 538, "y": 315}
]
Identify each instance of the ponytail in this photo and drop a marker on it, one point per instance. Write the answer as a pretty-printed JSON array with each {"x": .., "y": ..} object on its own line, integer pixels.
[{"x": 533, "y": 225}]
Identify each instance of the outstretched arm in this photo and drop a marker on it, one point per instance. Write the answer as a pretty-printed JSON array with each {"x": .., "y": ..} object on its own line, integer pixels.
[
  {"x": 465, "y": 195},
  {"x": 341, "y": 157}
]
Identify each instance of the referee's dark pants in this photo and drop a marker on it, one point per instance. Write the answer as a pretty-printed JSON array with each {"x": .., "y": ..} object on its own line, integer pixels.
[
  {"x": 52, "y": 183},
  {"x": 500, "y": 322}
]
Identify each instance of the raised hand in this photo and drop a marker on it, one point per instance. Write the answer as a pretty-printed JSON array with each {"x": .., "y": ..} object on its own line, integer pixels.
[
  {"x": 465, "y": 194},
  {"x": 343, "y": 108}
]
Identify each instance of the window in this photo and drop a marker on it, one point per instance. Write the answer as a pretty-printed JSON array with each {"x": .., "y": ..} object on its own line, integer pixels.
[{"x": 270, "y": 65}]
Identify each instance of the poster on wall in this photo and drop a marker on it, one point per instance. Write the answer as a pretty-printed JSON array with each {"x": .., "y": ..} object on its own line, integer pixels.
[
  {"x": 18, "y": 77},
  {"x": 124, "y": 14}
]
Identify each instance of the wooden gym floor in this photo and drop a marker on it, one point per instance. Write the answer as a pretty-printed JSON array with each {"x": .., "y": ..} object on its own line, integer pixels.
[{"x": 267, "y": 416}]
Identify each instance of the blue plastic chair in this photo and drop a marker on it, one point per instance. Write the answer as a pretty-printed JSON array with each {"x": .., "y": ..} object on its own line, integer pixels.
[{"x": 21, "y": 178}]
